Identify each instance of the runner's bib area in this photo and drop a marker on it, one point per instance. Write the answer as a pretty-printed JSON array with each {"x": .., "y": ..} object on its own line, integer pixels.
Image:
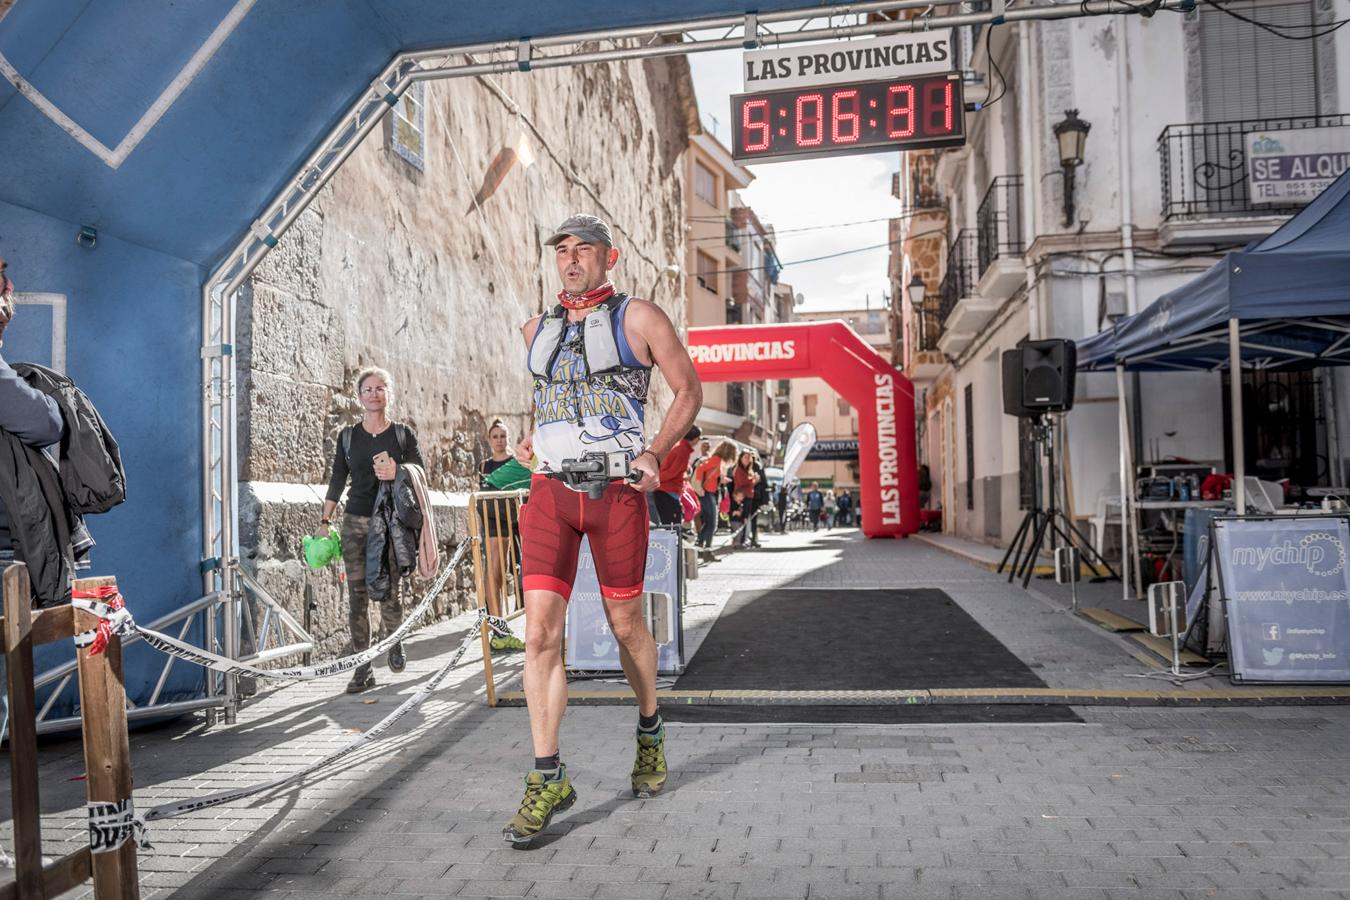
[{"x": 879, "y": 640}]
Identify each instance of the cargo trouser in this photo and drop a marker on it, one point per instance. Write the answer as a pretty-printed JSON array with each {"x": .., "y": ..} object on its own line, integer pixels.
[{"x": 354, "y": 531}]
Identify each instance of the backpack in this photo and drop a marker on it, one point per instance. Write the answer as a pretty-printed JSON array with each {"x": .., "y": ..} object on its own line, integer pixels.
[
  {"x": 400, "y": 435},
  {"x": 90, "y": 464},
  {"x": 599, "y": 344}
]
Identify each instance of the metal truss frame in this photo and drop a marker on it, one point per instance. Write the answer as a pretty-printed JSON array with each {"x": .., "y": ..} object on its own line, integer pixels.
[
  {"x": 220, "y": 549},
  {"x": 277, "y": 635}
]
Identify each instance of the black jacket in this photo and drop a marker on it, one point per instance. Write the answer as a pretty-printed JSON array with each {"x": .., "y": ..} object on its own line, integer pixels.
[
  {"x": 395, "y": 525},
  {"x": 88, "y": 459},
  {"x": 39, "y": 520}
]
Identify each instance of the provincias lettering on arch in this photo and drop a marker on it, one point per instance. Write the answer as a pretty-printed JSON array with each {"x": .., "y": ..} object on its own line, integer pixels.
[
  {"x": 744, "y": 352},
  {"x": 888, "y": 452}
]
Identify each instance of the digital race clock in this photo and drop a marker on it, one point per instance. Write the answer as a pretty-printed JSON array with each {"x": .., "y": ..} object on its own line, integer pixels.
[{"x": 834, "y": 119}]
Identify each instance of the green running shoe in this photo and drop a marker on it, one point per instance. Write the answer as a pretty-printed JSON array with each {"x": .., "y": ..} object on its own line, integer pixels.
[
  {"x": 543, "y": 798},
  {"x": 649, "y": 769},
  {"x": 509, "y": 643}
]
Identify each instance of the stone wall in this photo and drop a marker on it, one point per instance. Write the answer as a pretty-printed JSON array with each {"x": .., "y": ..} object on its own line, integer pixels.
[{"x": 400, "y": 268}]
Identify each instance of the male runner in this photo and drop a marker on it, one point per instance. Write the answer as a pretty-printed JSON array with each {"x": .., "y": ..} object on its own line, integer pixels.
[{"x": 590, "y": 395}]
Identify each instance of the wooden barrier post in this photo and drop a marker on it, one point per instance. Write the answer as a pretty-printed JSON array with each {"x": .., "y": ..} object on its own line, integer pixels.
[
  {"x": 107, "y": 751},
  {"x": 23, "y": 767},
  {"x": 24, "y": 629}
]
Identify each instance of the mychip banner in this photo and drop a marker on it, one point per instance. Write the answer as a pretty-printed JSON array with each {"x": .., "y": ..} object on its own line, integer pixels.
[{"x": 1287, "y": 595}]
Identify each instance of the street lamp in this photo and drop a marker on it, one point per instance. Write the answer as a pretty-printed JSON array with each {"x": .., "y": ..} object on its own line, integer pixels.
[
  {"x": 1071, "y": 133},
  {"x": 916, "y": 291}
]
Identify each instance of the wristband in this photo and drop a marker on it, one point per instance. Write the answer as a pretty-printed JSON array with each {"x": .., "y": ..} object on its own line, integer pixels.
[{"x": 654, "y": 456}]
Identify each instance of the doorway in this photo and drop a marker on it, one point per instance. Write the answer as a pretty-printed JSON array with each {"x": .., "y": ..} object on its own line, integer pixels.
[{"x": 1284, "y": 418}]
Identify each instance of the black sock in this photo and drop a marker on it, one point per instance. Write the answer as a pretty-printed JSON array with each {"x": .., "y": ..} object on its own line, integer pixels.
[
  {"x": 650, "y": 723},
  {"x": 548, "y": 764}
]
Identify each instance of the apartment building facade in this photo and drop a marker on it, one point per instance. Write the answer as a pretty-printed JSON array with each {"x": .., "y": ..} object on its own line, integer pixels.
[
  {"x": 1010, "y": 244},
  {"x": 733, "y": 280}
]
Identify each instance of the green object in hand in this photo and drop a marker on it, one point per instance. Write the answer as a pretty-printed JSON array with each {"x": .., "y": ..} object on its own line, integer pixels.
[
  {"x": 323, "y": 551},
  {"x": 510, "y": 476}
]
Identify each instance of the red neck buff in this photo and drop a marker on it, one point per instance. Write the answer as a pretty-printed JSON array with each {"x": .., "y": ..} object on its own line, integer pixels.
[{"x": 592, "y": 298}]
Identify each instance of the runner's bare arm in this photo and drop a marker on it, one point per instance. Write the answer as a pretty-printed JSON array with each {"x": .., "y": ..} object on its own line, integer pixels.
[
  {"x": 654, "y": 329},
  {"x": 528, "y": 329}
]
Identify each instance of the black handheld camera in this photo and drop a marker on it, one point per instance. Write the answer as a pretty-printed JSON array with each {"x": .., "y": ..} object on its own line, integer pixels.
[{"x": 593, "y": 472}]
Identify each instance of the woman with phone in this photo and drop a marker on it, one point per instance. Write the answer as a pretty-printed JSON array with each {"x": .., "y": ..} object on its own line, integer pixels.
[{"x": 367, "y": 454}]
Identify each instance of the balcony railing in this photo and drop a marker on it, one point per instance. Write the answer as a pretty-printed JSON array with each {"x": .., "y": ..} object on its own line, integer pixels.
[
  {"x": 961, "y": 274},
  {"x": 923, "y": 193},
  {"x": 1204, "y": 166},
  {"x": 999, "y": 221},
  {"x": 928, "y": 323}
]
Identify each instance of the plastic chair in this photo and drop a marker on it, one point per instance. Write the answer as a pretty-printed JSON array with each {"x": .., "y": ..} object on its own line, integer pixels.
[{"x": 1103, "y": 516}]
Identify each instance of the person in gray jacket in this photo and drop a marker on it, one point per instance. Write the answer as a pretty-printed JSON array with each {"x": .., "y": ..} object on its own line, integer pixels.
[{"x": 30, "y": 416}]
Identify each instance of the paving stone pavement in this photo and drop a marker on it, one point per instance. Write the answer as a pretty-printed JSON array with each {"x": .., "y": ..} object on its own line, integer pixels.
[{"x": 1134, "y": 803}]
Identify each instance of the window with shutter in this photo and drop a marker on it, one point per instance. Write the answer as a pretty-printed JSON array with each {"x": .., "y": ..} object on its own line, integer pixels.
[
  {"x": 1249, "y": 73},
  {"x": 705, "y": 184},
  {"x": 706, "y": 271}
]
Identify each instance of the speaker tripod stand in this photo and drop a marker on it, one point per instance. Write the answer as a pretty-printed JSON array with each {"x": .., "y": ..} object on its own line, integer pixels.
[{"x": 1040, "y": 522}]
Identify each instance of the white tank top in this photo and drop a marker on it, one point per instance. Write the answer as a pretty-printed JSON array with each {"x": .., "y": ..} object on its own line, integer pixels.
[{"x": 574, "y": 415}]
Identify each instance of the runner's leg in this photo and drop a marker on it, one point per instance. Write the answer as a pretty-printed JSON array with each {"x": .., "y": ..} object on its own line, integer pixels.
[
  {"x": 637, "y": 649},
  {"x": 545, "y": 677},
  {"x": 618, "y": 532},
  {"x": 550, "y": 540}
]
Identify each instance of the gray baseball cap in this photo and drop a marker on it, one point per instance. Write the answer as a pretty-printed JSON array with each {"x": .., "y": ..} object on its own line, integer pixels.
[{"x": 585, "y": 228}]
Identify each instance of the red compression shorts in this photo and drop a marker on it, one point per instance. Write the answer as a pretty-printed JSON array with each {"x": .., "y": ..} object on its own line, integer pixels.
[{"x": 551, "y": 526}]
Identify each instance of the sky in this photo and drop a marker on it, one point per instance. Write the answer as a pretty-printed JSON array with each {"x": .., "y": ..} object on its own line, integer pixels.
[{"x": 807, "y": 194}]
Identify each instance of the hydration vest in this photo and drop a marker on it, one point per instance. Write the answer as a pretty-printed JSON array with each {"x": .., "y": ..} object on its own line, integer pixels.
[{"x": 600, "y": 356}]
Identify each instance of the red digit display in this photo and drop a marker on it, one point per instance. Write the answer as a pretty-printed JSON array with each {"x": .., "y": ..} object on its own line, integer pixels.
[
  {"x": 845, "y": 127},
  {"x": 755, "y": 118},
  {"x": 900, "y": 111},
  {"x": 926, "y": 111},
  {"x": 938, "y": 99},
  {"x": 810, "y": 128}
]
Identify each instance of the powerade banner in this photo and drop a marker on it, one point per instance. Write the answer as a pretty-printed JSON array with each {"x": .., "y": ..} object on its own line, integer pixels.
[
  {"x": 591, "y": 646},
  {"x": 1287, "y": 595},
  {"x": 842, "y": 450}
]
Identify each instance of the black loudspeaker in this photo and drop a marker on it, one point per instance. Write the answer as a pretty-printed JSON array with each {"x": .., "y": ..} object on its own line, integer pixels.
[
  {"x": 1012, "y": 384},
  {"x": 1039, "y": 376}
]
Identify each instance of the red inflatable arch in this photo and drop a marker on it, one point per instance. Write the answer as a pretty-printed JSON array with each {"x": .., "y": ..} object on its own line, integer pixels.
[{"x": 882, "y": 395}]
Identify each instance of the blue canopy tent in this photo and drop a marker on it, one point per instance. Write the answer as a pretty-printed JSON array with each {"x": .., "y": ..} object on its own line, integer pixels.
[
  {"x": 141, "y": 142},
  {"x": 1281, "y": 302}
]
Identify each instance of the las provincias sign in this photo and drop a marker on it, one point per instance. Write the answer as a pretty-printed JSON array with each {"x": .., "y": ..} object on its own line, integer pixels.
[{"x": 875, "y": 95}]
